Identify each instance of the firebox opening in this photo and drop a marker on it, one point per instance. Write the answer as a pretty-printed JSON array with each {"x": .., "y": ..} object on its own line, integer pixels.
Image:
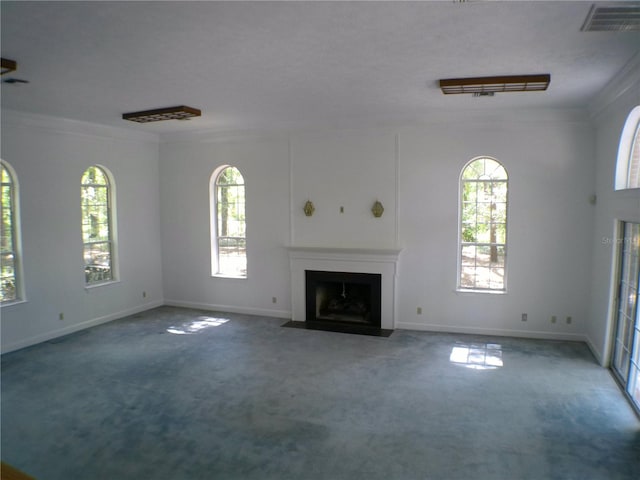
[{"x": 345, "y": 297}]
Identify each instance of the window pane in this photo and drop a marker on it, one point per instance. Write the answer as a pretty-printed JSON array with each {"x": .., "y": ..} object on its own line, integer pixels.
[
  {"x": 483, "y": 212},
  {"x": 499, "y": 191},
  {"x": 467, "y": 277},
  {"x": 495, "y": 170},
  {"x": 7, "y": 219},
  {"x": 469, "y": 255},
  {"x": 232, "y": 256},
  {"x": 499, "y": 212},
  {"x": 7, "y": 277},
  {"x": 469, "y": 211},
  {"x": 484, "y": 192},
  {"x": 94, "y": 176},
  {"x": 469, "y": 191},
  {"x": 497, "y": 256},
  {"x": 483, "y": 278},
  {"x": 97, "y": 261},
  {"x": 8, "y": 271},
  {"x": 96, "y": 225},
  {"x": 474, "y": 170},
  {"x": 230, "y": 223},
  {"x": 469, "y": 233},
  {"x": 483, "y": 218},
  {"x": 497, "y": 278}
]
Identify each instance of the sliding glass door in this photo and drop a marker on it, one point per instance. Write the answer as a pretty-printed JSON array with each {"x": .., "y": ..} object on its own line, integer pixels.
[{"x": 626, "y": 352}]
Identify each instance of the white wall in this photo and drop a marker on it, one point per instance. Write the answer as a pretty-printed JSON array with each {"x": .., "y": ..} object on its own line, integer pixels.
[
  {"x": 185, "y": 170},
  {"x": 414, "y": 172},
  {"x": 548, "y": 157},
  {"x": 351, "y": 169},
  {"x": 49, "y": 156},
  {"x": 611, "y": 111}
]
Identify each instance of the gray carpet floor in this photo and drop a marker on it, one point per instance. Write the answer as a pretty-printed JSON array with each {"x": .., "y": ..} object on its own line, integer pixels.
[{"x": 184, "y": 394}]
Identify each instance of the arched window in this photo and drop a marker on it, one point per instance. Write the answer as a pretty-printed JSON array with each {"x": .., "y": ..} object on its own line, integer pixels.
[
  {"x": 483, "y": 226},
  {"x": 628, "y": 162},
  {"x": 97, "y": 226},
  {"x": 10, "y": 258},
  {"x": 228, "y": 223}
]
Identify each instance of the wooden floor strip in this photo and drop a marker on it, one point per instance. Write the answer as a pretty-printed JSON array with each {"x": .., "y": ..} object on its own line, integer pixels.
[{"x": 7, "y": 472}]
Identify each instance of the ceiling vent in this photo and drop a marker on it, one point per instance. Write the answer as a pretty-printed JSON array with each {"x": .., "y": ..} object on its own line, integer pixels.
[
  {"x": 613, "y": 17},
  {"x": 159, "y": 114},
  {"x": 487, "y": 86}
]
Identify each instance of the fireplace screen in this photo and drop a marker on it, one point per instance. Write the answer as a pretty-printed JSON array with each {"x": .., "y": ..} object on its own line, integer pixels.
[{"x": 344, "y": 297}]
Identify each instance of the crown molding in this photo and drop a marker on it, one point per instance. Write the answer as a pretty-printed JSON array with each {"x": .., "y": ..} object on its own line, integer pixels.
[
  {"x": 441, "y": 117},
  {"x": 17, "y": 119},
  {"x": 626, "y": 79}
]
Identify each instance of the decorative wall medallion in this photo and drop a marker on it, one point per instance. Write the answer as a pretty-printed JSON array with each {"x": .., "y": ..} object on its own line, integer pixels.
[
  {"x": 377, "y": 209},
  {"x": 309, "y": 208}
]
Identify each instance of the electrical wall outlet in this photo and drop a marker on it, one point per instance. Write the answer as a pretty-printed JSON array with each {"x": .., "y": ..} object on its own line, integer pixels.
[
  {"x": 61, "y": 316},
  {"x": 274, "y": 300},
  {"x": 569, "y": 320},
  {"x": 419, "y": 310},
  {"x": 524, "y": 317},
  {"x": 554, "y": 319},
  {"x": 144, "y": 294}
]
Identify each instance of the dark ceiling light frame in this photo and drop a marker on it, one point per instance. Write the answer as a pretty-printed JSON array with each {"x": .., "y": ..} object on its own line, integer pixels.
[
  {"x": 504, "y": 83},
  {"x": 181, "y": 112},
  {"x": 8, "y": 66},
  {"x": 613, "y": 17}
]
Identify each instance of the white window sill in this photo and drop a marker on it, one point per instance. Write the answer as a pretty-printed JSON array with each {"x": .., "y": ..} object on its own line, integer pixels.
[
  {"x": 232, "y": 277},
  {"x": 93, "y": 286},
  {"x": 11, "y": 303},
  {"x": 491, "y": 292}
]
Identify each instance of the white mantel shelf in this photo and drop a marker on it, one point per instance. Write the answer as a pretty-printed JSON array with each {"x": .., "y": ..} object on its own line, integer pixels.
[
  {"x": 361, "y": 254},
  {"x": 382, "y": 261}
]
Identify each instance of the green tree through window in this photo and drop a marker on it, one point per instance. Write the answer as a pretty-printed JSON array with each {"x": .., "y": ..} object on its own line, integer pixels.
[
  {"x": 96, "y": 226},
  {"x": 229, "y": 257},
  {"x": 483, "y": 225},
  {"x": 8, "y": 238}
]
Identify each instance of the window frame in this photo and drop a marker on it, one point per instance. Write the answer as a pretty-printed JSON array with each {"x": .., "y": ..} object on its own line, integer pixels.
[
  {"x": 111, "y": 225},
  {"x": 626, "y": 166},
  {"x": 214, "y": 221},
  {"x": 461, "y": 243},
  {"x": 16, "y": 236}
]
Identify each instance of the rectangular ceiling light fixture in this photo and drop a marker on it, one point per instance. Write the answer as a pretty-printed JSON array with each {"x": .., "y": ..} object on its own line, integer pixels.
[
  {"x": 484, "y": 85},
  {"x": 8, "y": 65},
  {"x": 613, "y": 17},
  {"x": 159, "y": 114}
]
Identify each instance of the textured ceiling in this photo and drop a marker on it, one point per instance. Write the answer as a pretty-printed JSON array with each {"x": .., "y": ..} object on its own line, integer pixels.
[{"x": 271, "y": 65}]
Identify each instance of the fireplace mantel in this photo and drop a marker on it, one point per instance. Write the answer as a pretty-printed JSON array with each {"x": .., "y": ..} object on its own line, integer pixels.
[
  {"x": 353, "y": 254},
  {"x": 353, "y": 260}
]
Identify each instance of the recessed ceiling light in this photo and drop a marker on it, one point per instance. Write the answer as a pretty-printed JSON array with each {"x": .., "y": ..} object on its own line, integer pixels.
[
  {"x": 613, "y": 17},
  {"x": 505, "y": 83},
  {"x": 171, "y": 113}
]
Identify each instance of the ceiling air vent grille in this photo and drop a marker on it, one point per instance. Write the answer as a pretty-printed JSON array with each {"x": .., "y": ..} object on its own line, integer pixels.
[{"x": 614, "y": 17}]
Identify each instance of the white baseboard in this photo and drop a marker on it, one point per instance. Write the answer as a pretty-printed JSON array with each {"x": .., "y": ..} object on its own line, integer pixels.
[
  {"x": 492, "y": 331},
  {"x": 230, "y": 308},
  {"x": 44, "y": 337},
  {"x": 596, "y": 353}
]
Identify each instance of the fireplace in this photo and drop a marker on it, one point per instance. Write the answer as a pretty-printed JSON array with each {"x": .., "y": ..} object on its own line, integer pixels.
[
  {"x": 343, "y": 297},
  {"x": 381, "y": 263}
]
